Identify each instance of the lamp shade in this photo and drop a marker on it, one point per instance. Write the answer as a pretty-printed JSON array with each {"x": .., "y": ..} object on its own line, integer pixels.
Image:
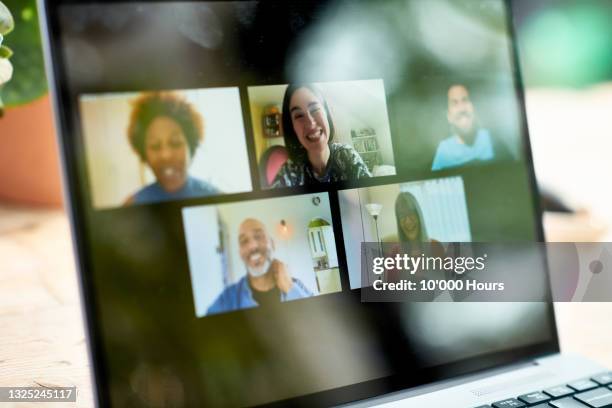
[{"x": 374, "y": 209}]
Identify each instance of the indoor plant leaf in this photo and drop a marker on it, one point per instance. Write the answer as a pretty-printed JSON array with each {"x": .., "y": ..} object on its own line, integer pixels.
[
  {"x": 6, "y": 20},
  {"x": 5, "y": 52},
  {"x": 29, "y": 81}
]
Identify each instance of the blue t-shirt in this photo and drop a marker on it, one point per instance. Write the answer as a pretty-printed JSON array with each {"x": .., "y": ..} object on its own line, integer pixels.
[
  {"x": 452, "y": 153},
  {"x": 193, "y": 188}
]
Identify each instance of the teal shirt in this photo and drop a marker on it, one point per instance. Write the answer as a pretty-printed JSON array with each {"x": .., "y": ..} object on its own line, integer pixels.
[{"x": 452, "y": 153}]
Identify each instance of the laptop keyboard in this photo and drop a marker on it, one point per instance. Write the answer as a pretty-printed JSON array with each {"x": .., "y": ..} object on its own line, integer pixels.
[{"x": 594, "y": 392}]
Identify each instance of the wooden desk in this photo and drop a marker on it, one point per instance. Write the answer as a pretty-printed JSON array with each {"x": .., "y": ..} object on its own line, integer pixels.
[{"x": 41, "y": 331}]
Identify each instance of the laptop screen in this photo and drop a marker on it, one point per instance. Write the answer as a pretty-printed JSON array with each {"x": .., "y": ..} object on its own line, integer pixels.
[{"x": 226, "y": 160}]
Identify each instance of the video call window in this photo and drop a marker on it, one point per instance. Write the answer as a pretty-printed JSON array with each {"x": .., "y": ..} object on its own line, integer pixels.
[
  {"x": 469, "y": 141},
  {"x": 431, "y": 212},
  {"x": 462, "y": 122},
  {"x": 146, "y": 147},
  {"x": 261, "y": 252},
  {"x": 310, "y": 133}
]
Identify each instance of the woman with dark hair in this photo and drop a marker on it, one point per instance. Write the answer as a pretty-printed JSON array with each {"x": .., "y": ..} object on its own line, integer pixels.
[
  {"x": 309, "y": 133},
  {"x": 165, "y": 131}
]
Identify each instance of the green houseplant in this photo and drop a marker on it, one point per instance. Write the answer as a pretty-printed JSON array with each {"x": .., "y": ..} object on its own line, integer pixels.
[
  {"x": 22, "y": 49},
  {"x": 29, "y": 170},
  {"x": 6, "y": 68}
]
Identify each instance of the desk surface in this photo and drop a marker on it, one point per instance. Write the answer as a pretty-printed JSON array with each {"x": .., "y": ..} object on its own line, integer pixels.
[{"x": 41, "y": 332}]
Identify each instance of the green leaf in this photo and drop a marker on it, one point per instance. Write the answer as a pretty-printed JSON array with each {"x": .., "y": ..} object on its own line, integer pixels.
[
  {"x": 5, "y": 52},
  {"x": 6, "y": 20},
  {"x": 29, "y": 81}
]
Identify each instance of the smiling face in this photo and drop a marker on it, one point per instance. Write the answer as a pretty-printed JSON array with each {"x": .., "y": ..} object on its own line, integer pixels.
[
  {"x": 410, "y": 225},
  {"x": 167, "y": 153},
  {"x": 460, "y": 113},
  {"x": 255, "y": 246},
  {"x": 309, "y": 120}
]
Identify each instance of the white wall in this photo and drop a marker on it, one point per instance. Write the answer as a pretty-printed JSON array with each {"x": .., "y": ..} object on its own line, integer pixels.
[
  {"x": 359, "y": 104},
  {"x": 206, "y": 268},
  {"x": 444, "y": 208},
  {"x": 115, "y": 171},
  {"x": 358, "y": 226},
  {"x": 291, "y": 248}
]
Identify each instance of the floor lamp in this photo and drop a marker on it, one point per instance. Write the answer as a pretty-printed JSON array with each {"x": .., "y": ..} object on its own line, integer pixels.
[{"x": 374, "y": 210}]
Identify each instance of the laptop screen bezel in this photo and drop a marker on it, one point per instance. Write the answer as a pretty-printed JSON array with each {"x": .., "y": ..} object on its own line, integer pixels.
[{"x": 66, "y": 124}]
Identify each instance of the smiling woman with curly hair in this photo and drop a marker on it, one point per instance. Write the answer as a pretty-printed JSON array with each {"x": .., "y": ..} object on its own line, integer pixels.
[{"x": 165, "y": 130}]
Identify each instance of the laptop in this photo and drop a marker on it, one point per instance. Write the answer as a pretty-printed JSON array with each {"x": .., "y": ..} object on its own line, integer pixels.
[{"x": 223, "y": 162}]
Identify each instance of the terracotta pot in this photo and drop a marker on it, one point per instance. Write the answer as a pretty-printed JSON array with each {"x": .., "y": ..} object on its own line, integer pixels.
[{"x": 29, "y": 161}]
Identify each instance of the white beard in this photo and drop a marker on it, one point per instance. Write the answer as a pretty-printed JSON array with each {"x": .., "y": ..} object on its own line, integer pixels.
[{"x": 257, "y": 272}]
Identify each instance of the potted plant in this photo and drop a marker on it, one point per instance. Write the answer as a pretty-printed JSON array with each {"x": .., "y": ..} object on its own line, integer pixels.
[{"x": 29, "y": 169}]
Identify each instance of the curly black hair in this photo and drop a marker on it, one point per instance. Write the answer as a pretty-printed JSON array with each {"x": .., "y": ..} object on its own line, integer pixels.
[{"x": 152, "y": 105}]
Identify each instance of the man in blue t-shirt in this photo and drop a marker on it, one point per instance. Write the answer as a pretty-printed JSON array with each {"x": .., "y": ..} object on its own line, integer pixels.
[
  {"x": 267, "y": 281},
  {"x": 468, "y": 142}
]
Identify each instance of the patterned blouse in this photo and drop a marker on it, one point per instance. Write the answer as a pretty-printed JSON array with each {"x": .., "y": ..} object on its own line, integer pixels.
[{"x": 344, "y": 164}]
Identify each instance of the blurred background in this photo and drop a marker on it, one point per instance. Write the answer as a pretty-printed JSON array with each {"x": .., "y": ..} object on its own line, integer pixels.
[
  {"x": 566, "y": 60},
  {"x": 565, "y": 49},
  {"x": 28, "y": 154}
]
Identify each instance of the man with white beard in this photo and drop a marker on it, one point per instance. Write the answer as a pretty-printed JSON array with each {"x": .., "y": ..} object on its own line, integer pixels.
[{"x": 267, "y": 280}]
